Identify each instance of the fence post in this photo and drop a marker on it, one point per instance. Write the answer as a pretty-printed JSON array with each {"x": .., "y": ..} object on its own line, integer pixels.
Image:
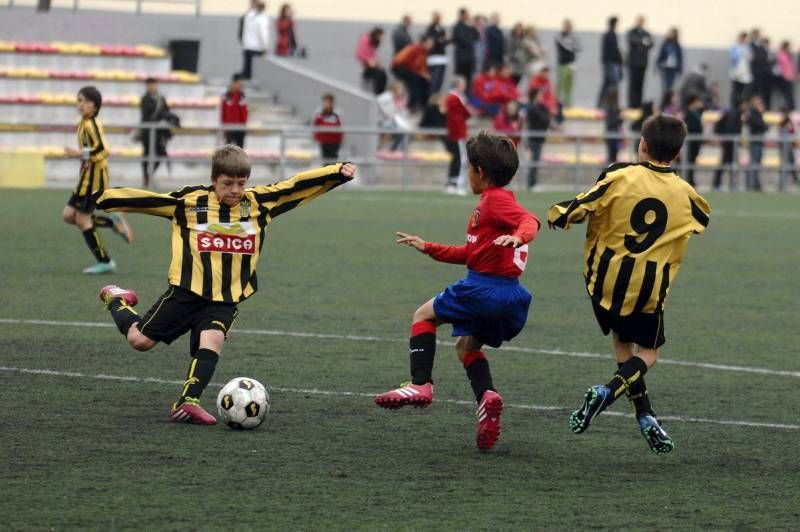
[
  {"x": 282, "y": 154},
  {"x": 404, "y": 168},
  {"x": 151, "y": 154},
  {"x": 578, "y": 153}
]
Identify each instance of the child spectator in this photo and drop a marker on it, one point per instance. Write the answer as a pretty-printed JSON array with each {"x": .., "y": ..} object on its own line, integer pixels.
[
  {"x": 729, "y": 124},
  {"x": 456, "y": 115},
  {"x": 538, "y": 120},
  {"x": 509, "y": 122},
  {"x": 787, "y": 133},
  {"x": 233, "y": 110},
  {"x": 489, "y": 306},
  {"x": 484, "y": 90},
  {"x": 393, "y": 106},
  {"x": 669, "y": 104},
  {"x": 613, "y": 123},
  {"x": 410, "y": 65},
  {"x": 329, "y": 141},
  {"x": 542, "y": 83},
  {"x": 693, "y": 117},
  {"x": 754, "y": 118},
  {"x": 506, "y": 88}
]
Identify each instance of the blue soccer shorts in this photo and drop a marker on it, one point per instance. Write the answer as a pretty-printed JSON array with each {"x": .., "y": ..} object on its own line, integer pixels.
[{"x": 490, "y": 308}]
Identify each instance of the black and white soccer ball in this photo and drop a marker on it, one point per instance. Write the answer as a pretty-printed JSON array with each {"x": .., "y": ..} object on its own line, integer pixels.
[{"x": 243, "y": 403}]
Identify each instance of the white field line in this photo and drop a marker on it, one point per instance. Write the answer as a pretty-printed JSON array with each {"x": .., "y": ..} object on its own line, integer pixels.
[
  {"x": 362, "y": 338},
  {"x": 332, "y": 393},
  {"x": 433, "y": 198}
]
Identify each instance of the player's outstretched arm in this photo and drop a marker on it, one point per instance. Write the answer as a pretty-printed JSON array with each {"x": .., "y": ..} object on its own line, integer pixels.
[
  {"x": 139, "y": 201},
  {"x": 576, "y": 210},
  {"x": 439, "y": 252},
  {"x": 411, "y": 241},
  {"x": 304, "y": 187}
]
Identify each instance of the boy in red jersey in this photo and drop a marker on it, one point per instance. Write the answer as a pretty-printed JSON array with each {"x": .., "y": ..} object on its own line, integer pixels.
[
  {"x": 487, "y": 307},
  {"x": 329, "y": 141},
  {"x": 457, "y": 112}
]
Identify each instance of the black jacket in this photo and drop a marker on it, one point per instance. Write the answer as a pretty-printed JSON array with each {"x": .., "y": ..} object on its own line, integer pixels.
[
  {"x": 694, "y": 122},
  {"x": 495, "y": 45},
  {"x": 464, "y": 37},
  {"x": 439, "y": 36},
  {"x": 567, "y": 46},
  {"x": 755, "y": 122},
  {"x": 639, "y": 43},
  {"x": 538, "y": 117},
  {"x": 400, "y": 38},
  {"x": 610, "y": 53}
]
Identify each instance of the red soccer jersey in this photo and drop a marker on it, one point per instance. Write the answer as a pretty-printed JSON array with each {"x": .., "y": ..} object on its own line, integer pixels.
[
  {"x": 330, "y": 120},
  {"x": 497, "y": 214},
  {"x": 456, "y": 115},
  {"x": 233, "y": 108}
]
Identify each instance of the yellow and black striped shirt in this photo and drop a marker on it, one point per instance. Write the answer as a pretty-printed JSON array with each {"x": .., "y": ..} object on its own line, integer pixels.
[
  {"x": 94, "y": 158},
  {"x": 215, "y": 248},
  {"x": 640, "y": 218}
]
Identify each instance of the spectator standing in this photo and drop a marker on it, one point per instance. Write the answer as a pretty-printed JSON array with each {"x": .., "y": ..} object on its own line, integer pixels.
[
  {"x": 670, "y": 60},
  {"x": 730, "y": 123},
  {"x": 255, "y": 36},
  {"x": 153, "y": 108},
  {"x": 542, "y": 83},
  {"x": 646, "y": 111},
  {"x": 538, "y": 120},
  {"x": 286, "y": 45},
  {"x": 694, "y": 84},
  {"x": 519, "y": 56},
  {"x": 457, "y": 112},
  {"x": 535, "y": 49},
  {"x": 786, "y": 75},
  {"x": 611, "y": 59},
  {"x": 760, "y": 66},
  {"x": 400, "y": 35},
  {"x": 367, "y": 54},
  {"x": 754, "y": 118},
  {"x": 433, "y": 116},
  {"x": 479, "y": 22},
  {"x": 410, "y": 65},
  {"x": 639, "y": 44},
  {"x": 613, "y": 123},
  {"x": 464, "y": 38},
  {"x": 509, "y": 122},
  {"x": 693, "y": 117},
  {"x": 437, "y": 57},
  {"x": 567, "y": 48},
  {"x": 741, "y": 72},
  {"x": 495, "y": 41},
  {"x": 787, "y": 133},
  {"x": 329, "y": 141},
  {"x": 669, "y": 104},
  {"x": 233, "y": 112},
  {"x": 713, "y": 99}
]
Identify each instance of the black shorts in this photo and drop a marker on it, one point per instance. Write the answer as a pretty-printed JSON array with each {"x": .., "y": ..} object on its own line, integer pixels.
[
  {"x": 179, "y": 311},
  {"x": 645, "y": 330},
  {"x": 84, "y": 204}
]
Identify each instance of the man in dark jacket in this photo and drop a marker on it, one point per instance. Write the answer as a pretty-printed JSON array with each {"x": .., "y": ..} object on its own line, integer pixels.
[
  {"x": 154, "y": 108},
  {"x": 495, "y": 42},
  {"x": 567, "y": 48},
  {"x": 537, "y": 120},
  {"x": 729, "y": 124},
  {"x": 694, "y": 84},
  {"x": 639, "y": 44},
  {"x": 611, "y": 58},
  {"x": 464, "y": 37},
  {"x": 754, "y": 118},
  {"x": 761, "y": 65},
  {"x": 437, "y": 58},
  {"x": 693, "y": 114},
  {"x": 400, "y": 35}
]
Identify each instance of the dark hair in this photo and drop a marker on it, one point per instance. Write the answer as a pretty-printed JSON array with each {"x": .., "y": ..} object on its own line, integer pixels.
[
  {"x": 664, "y": 136},
  {"x": 693, "y": 97},
  {"x": 328, "y": 96},
  {"x": 237, "y": 77},
  {"x": 495, "y": 154},
  {"x": 284, "y": 8},
  {"x": 150, "y": 80},
  {"x": 93, "y": 95},
  {"x": 612, "y": 22},
  {"x": 532, "y": 95},
  {"x": 230, "y": 160}
]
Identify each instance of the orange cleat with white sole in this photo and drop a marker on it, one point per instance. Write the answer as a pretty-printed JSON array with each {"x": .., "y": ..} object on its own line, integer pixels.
[
  {"x": 416, "y": 395},
  {"x": 489, "y": 411}
]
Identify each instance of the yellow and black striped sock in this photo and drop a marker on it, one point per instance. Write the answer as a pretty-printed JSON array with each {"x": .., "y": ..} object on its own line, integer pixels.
[
  {"x": 96, "y": 245},
  {"x": 626, "y": 376},
  {"x": 199, "y": 375}
]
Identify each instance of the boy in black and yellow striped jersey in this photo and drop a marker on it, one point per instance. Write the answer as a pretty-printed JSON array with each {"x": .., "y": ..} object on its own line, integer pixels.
[
  {"x": 93, "y": 152},
  {"x": 217, "y": 238},
  {"x": 640, "y": 217}
]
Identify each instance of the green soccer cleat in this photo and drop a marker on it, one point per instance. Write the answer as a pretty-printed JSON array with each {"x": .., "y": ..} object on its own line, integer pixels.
[
  {"x": 655, "y": 435},
  {"x": 597, "y": 398},
  {"x": 121, "y": 227},
  {"x": 101, "y": 268}
]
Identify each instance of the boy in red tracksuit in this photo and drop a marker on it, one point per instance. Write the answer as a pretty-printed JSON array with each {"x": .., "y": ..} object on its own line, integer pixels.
[
  {"x": 329, "y": 141},
  {"x": 505, "y": 90},
  {"x": 233, "y": 110},
  {"x": 489, "y": 306},
  {"x": 456, "y": 115},
  {"x": 484, "y": 90}
]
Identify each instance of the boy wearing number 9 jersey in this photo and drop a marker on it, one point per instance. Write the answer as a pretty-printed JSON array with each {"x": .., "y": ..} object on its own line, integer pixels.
[
  {"x": 487, "y": 307},
  {"x": 640, "y": 217}
]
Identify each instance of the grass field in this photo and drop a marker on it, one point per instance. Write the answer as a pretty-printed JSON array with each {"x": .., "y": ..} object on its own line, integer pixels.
[{"x": 86, "y": 443}]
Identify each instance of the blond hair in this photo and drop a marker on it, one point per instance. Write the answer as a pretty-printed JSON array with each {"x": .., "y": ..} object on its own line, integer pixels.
[{"x": 230, "y": 160}]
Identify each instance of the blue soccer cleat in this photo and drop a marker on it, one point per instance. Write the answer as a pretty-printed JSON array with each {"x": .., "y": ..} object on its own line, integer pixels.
[
  {"x": 655, "y": 435},
  {"x": 121, "y": 227},
  {"x": 101, "y": 268},
  {"x": 597, "y": 398}
]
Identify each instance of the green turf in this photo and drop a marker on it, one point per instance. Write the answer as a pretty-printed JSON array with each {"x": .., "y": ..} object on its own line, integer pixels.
[{"x": 97, "y": 453}]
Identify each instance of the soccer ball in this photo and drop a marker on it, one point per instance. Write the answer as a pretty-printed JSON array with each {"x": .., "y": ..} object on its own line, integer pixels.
[{"x": 243, "y": 403}]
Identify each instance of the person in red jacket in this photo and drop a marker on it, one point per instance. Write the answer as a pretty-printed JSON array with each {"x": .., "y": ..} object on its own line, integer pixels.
[
  {"x": 542, "y": 83},
  {"x": 457, "y": 112},
  {"x": 484, "y": 90},
  {"x": 233, "y": 111},
  {"x": 489, "y": 306},
  {"x": 329, "y": 141},
  {"x": 509, "y": 122},
  {"x": 286, "y": 45},
  {"x": 410, "y": 65},
  {"x": 505, "y": 89}
]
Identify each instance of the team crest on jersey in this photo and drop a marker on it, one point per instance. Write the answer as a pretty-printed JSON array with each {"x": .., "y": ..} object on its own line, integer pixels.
[
  {"x": 476, "y": 215},
  {"x": 244, "y": 209},
  {"x": 237, "y": 238}
]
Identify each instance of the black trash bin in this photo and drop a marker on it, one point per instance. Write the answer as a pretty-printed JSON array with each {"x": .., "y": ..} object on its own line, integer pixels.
[{"x": 185, "y": 55}]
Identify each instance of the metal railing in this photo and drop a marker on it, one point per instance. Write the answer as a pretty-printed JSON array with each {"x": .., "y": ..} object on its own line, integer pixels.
[
  {"x": 582, "y": 172},
  {"x": 137, "y": 5}
]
